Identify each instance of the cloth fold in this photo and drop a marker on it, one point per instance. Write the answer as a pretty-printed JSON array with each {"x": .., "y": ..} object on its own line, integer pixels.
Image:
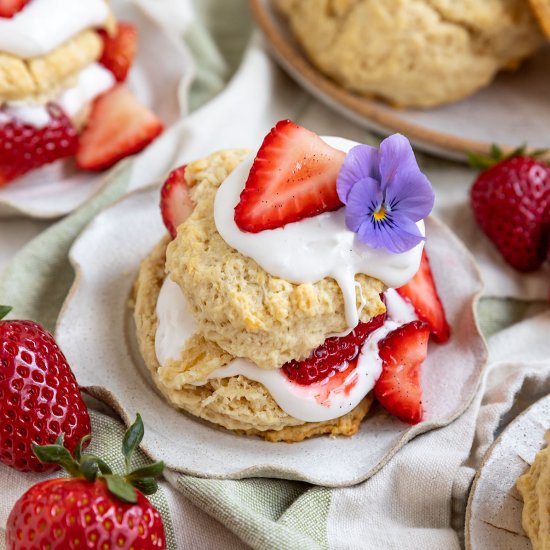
[{"x": 418, "y": 499}]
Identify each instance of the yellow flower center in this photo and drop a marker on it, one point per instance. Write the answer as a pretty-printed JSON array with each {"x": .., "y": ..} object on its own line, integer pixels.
[{"x": 380, "y": 214}]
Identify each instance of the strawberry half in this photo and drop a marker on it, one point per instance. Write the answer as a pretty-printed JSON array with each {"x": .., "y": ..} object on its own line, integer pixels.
[
  {"x": 175, "y": 202},
  {"x": 332, "y": 356},
  {"x": 24, "y": 148},
  {"x": 8, "y": 8},
  {"x": 421, "y": 292},
  {"x": 118, "y": 126},
  {"x": 119, "y": 50},
  {"x": 398, "y": 389},
  {"x": 293, "y": 177}
]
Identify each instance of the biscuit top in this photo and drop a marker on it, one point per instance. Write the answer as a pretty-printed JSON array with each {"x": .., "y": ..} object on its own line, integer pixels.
[
  {"x": 237, "y": 304},
  {"x": 26, "y": 35}
]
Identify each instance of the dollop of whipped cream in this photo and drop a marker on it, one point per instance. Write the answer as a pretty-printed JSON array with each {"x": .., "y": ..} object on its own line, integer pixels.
[
  {"x": 324, "y": 400},
  {"x": 314, "y": 248},
  {"x": 43, "y": 25},
  {"x": 91, "y": 82}
]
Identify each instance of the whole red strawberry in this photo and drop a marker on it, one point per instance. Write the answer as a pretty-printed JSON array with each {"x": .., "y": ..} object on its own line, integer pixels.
[
  {"x": 39, "y": 396},
  {"x": 94, "y": 509},
  {"x": 511, "y": 202},
  {"x": 24, "y": 148}
]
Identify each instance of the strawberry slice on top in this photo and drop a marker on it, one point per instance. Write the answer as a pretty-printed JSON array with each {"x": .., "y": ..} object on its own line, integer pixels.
[
  {"x": 8, "y": 8},
  {"x": 293, "y": 177},
  {"x": 422, "y": 293},
  {"x": 398, "y": 389}
]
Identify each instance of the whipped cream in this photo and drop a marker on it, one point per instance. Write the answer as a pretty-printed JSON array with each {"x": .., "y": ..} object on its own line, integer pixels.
[
  {"x": 176, "y": 323},
  {"x": 314, "y": 248},
  {"x": 43, "y": 25},
  {"x": 325, "y": 400},
  {"x": 91, "y": 82}
]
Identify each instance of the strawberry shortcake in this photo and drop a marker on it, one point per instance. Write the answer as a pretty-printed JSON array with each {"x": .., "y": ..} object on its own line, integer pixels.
[
  {"x": 292, "y": 287},
  {"x": 62, "y": 94}
]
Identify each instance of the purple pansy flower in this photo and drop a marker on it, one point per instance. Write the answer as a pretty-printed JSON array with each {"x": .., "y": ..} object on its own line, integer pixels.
[{"x": 385, "y": 194}]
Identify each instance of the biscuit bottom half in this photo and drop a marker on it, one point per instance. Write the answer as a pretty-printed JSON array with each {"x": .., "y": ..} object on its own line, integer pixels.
[{"x": 236, "y": 403}]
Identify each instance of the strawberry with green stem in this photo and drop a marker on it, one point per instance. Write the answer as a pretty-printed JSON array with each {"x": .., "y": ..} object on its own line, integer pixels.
[
  {"x": 511, "y": 203},
  {"x": 94, "y": 508},
  {"x": 39, "y": 395}
]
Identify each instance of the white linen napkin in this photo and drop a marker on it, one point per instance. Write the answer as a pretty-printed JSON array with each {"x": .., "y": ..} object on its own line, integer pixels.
[{"x": 418, "y": 499}]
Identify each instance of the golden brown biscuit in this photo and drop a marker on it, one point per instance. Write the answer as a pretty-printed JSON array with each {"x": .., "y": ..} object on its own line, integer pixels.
[
  {"x": 542, "y": 11},
  {"x": 42, "y": 78},
  {"x": 417, "y": 53},
  {"x": 237, "y": 304},
  {"x": 235, "y": 403}
]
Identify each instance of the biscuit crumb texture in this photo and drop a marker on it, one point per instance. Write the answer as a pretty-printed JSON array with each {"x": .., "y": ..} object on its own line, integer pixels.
[
  {"x": 239, "y": 306},
  {"x": 534, "y": 487},
  {"x": 542, "y": 11},
  {"x": 42, "y": 79},
  {"x": 235, "y": 403},
  {"x": 413, "y": 53}
]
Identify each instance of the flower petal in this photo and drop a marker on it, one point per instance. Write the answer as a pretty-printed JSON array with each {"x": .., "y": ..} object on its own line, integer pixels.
[
  {"x": 364, "y": 198},
  {"x": 361, "y": 162},
  {"x": 407, "y": 188},
  {"x": 396, "y": 158},
  {"x": 411, "y": 195},
  {"x": 401, "y": 236}
]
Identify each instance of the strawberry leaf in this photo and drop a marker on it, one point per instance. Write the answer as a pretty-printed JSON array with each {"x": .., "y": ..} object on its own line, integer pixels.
[
  {"x": 57, "y": 454},
  {"x": 80, "y": 447},
  {"x": 120, "y": 488},
  {"x": 89, "y": 468},
  {"x": 151, "y": 470},
  {"x": 147, "y": 485},
  {"x": 4, "y": 310},
  {"x": 132, "y": 439}
]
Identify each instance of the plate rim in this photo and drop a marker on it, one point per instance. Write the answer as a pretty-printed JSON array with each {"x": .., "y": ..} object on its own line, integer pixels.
[
  {"x": 352, "y": 105},
  {"x": 270, "y": 470},
  {"x": 486, "y": 457}
]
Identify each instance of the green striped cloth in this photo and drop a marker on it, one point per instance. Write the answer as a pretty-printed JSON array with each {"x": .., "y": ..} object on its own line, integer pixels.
[{"x": 262, "y": 513}]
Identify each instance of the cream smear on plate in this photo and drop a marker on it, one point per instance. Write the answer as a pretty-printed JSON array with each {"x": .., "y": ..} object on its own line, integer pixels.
[
  {"x": 91, "y": 82},
  {"x": 324, "y": 400},
  {"x": 43, "y": 25},
  {"x": 314, "y": 248}
]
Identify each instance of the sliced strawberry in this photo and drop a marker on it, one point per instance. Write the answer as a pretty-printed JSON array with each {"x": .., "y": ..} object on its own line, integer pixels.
[
  {"x": 332, "y": 356},
  {"x": 118, "y": 126},
  {"x": 119, "y": 50},
  {"x": 175, "y": 203},
  {"x": 24, "y": 148},
  {"x": 398, "y": 389},
  {"x": 8, "y": 8},
  {"x": 293, "y": 177},
  {"x": 421, "y": 292}
]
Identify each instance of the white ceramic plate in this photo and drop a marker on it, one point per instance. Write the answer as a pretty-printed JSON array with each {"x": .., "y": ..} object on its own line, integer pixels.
[
  {"x": 57, "y": 189},
  {"x": 511, "y": 111},
  {"x": 493, "y": 517},
  {"x": 96, "y": 332}
]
